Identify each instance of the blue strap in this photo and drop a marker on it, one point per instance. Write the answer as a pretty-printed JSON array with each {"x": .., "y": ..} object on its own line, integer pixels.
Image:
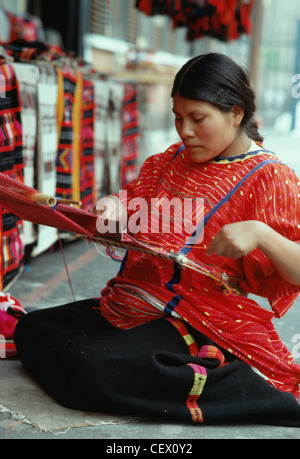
[
  {"x": 172, "y": 304},
  {"x": 189, "y": 246},
  {"x": 178, "y": 151}
]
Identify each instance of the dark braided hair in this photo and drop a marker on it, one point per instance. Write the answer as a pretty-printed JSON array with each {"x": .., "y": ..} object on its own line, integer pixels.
[{"x": 217, "y": 79}]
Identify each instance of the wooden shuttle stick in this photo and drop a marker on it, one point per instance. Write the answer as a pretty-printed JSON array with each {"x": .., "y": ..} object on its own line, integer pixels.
[
  {"x": 47, "y": 200},
  {"x": 68, "y": 201}
]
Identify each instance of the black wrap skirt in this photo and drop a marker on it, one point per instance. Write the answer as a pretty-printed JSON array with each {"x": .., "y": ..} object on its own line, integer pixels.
[{"x": 86, "y": 364}]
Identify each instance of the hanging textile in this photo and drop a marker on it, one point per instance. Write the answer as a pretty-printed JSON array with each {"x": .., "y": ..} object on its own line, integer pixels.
[
  {"x": 47, "y": 93},
  {"x": 130, "y": 135},
  {"x": 79, "y": 138},
  {"x": 113, "y": 108},
  {"x": 67, "y": 165},
  {"x": 100, "y": 135},
  {"x": 25, "y": 27},
  {"x": 38, "y": 89},
  {"x": 4, "y": 26},
  {"x": 87, "y": 163},
  {"x": 224, "y": 20},
  {"x": 11, "y": 163},
  {"x": 22, "y": 50},
  {"x": 114, "y": 134},
  {"x": 27, "y": 76}
]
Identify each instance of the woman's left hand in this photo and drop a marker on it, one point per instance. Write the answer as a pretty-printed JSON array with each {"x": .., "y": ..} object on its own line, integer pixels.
[{"x": 237, "y": 239}]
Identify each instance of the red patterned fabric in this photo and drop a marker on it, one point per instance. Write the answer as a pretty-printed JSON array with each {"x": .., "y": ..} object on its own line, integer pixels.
[
  {"x": 11, "y": 164},
  {"x": 87, "y": 158},
  {"x": 22, "y": 50},
  {"x": 11, "y": 159},
  {"x": 130, "y": 135},
  {"x": 147, "y": 287},
  {"x": 14, "y": 196},
  {"x": 23, "y": 27},
  {"x": 222, "y": 19},
  {"x": 67, "y": 163}
]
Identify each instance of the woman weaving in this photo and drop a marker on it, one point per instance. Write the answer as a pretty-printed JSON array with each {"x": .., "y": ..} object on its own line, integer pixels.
[{"x": 172, "y": 342}]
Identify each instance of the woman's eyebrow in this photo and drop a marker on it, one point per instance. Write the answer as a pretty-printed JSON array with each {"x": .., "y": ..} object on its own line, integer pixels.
[{"x": 194, "y": 112}]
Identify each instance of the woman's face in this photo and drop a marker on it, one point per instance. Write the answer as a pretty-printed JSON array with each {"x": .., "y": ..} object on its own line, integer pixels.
[{"x": 206, "y": 131}]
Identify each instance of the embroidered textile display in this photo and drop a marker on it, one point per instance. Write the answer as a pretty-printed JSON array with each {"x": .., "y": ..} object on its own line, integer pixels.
[
  {"x": 221, "y": 19},
  {"x": 20, "y": 27},
  {"x": 25, "y": 27},
  {"x": 250, "y": 187},
  {"x": 27, "y": 76},
  {"x": 47, "y": 94},
  {"x": 88, "y": 195},
  {"x": 65, "y": 112},
  {"x": 100, "y": 135},
  {"x": 113, "y": 151},
  {"x": 130, "y": 135},
  {"x": 11, "y": 163},
  {"x": 67, "y": 165}
]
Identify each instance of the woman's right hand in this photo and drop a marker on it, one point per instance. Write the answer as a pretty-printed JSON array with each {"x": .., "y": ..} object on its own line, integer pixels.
[{"x": 111, "y": 208}]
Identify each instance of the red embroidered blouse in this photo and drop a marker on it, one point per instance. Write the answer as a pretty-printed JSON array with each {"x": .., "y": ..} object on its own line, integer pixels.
[{"x": 254, "y": 186}]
